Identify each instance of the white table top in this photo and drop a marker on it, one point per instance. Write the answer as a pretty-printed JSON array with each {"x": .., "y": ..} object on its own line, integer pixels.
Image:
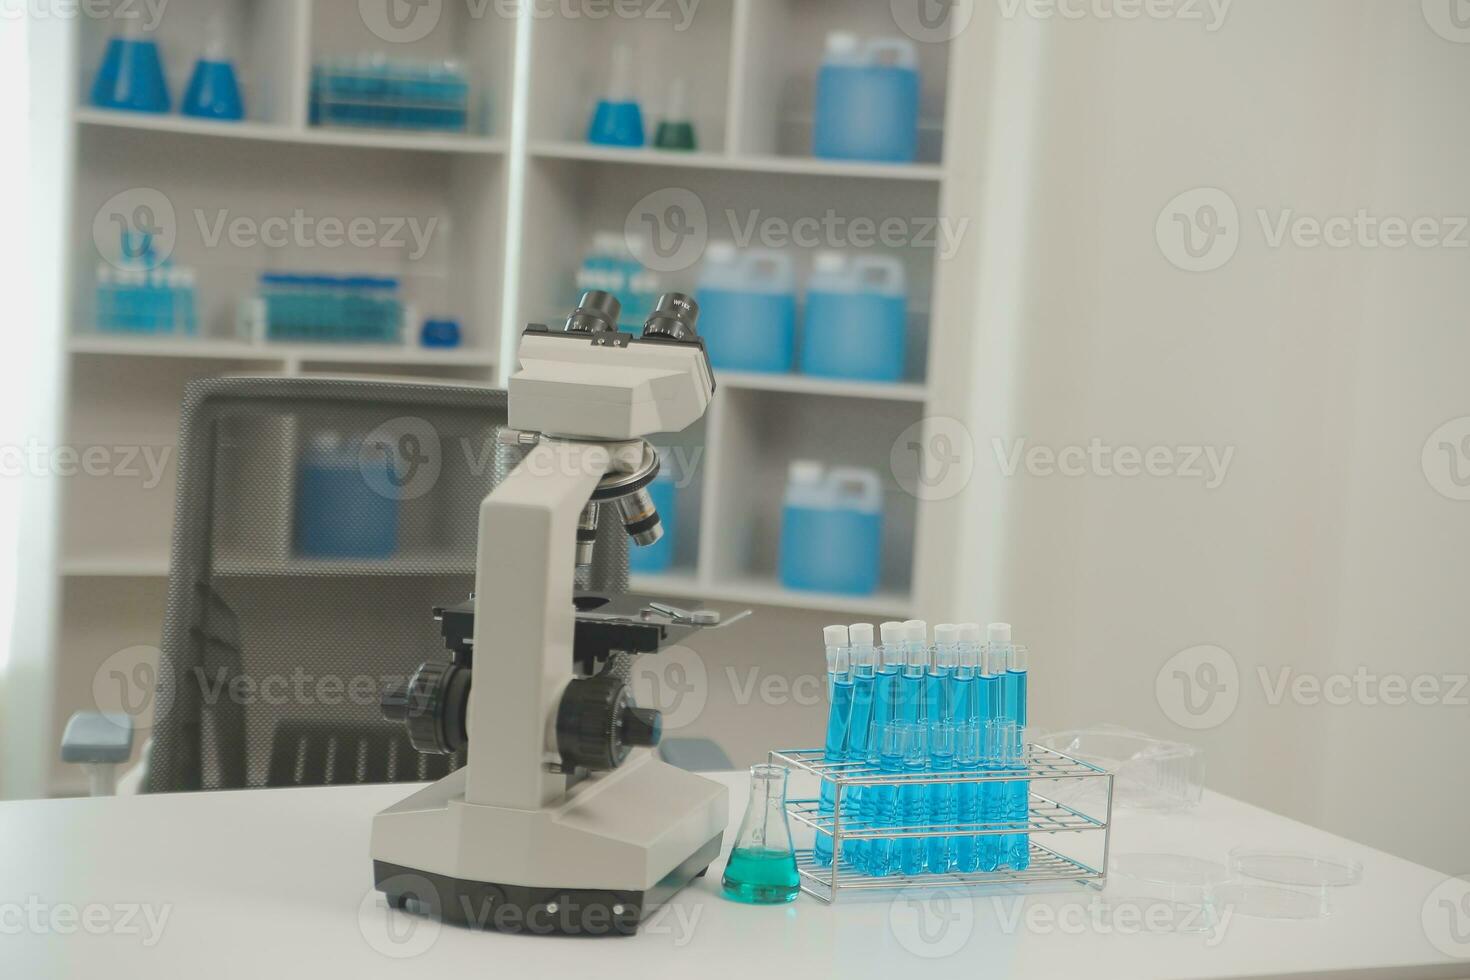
[{"x": 278, "y": 883}]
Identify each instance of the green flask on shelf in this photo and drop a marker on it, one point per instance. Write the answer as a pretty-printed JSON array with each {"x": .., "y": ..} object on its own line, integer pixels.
[{"x": 675, "y": 130}]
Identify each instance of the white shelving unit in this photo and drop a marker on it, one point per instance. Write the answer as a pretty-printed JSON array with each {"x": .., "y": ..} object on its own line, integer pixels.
[{"x": 517, "y": 203}]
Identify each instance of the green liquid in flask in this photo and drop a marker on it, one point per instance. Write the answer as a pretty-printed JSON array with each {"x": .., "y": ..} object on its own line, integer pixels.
[{"x": 761, "y": 876}]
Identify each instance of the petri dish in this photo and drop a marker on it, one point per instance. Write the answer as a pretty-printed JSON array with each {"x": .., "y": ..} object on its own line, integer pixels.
[
  {"x": 1182, "y": 882},
  {"x": 1301, "y": 869},
  {"x": 1261, "y": 900}
]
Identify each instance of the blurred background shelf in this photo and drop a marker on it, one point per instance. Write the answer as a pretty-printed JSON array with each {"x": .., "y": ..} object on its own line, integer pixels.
[
  {"x": 274, "y": 132},
  {"x": 515, "y": 203}
]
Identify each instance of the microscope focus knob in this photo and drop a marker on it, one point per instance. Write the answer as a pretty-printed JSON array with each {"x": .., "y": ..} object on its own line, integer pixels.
[
  {"x": 597, "y": 724},
  {"x": 434, "y": 706}
]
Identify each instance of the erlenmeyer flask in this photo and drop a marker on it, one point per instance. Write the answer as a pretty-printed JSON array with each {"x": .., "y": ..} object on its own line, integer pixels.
[{"x": 762, "y": 867}]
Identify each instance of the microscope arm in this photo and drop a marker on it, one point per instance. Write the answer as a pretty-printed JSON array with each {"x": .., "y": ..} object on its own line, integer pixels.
[{"x": 524, "y": 625}]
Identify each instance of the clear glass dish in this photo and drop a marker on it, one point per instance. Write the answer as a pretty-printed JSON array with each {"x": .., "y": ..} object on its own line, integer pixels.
[
  {"x": 1301, "y": 869},
  {"x": 1149, "y": 773}
]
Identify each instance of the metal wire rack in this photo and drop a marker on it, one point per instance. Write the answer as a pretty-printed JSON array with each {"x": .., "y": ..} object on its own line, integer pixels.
[{"x": 1054, "y": 826}]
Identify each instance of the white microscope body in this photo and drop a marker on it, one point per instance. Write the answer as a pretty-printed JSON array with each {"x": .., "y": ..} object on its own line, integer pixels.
[{"x": 526, "y": 837}]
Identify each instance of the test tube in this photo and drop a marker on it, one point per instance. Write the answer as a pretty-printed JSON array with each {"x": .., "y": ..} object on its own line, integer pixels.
[
  {"x": 1018, "y": 804},
  {"x": 839, "y": 717},
  {"x": 864, "y": 660},
  {"x": 885, "y": 809},
  {"x": 914, "y": 798},
  {"x": 991, "y": 711},
  {"x": 890, "y": 658},
  {"x": 942, "y": 796},
  {"x": 969, "y": 752},
  {"x": 916, "y": 668}
]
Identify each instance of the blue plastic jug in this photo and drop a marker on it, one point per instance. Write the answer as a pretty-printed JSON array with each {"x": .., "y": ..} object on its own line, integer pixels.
[
  {"x": 341, "y": 511},
  {"x": 748, "y": 309},
  {"x": 832, "y": 530},
  {"x": 867, "y": 101},
  {"x": 856, "y": 318}
]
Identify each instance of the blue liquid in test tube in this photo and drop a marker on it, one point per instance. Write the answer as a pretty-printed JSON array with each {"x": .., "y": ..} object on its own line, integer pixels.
[
  {"x": 914, "y": 798},
  {"x": 875, "y": 806},
  {"x": 1019, "y": 792},
  {"x": 892, "y": 739},
  {"x": 940, "y": 708},
  {"x": 969, "y": 744},
  {"x": 989, "y": 710},
  {"x": 864, "y": 663},
  {"x": 839, "y": 717},
  {"x": 913, "y": 686}
]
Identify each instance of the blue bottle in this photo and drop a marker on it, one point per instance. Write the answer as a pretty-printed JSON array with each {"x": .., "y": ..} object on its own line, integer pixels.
[
  {"x": 1018, "y": 854},
  {"x": 831, "y": 530},
  {"x": 214, "y": 88},
  {"x": 747, "y": 302},
  {"x": 856, "y": 325},
  {"x": 131, "y": 77},
  {"x": 876, "y": 854},
  {"x": 618, "y": 118},
  {"x": 342, "y": 509},
  {"x": 859, "y": 734},
  {"x": 867, "y": 101},
  {"x": 988, "y": 712},
  {"x": 839, "y": 718}
]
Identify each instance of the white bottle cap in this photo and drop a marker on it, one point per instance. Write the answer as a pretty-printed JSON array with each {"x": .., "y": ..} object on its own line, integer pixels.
[
  {"x": 969, "y": 632},
  {"x": 861, "y": 634},
  {"x": 842, "y": 42},
  {"x": 720, "y": 251},
  {"x": 806, "y": 471},
  {"x": 835, "y": 636},
  {"x": 946, "y": 633},
  {"x": 891, "y": 632},
  {"x": 829, "y": 262},
  {"x": 917, "y": 631},
  {"x": 999, "y": 632}
]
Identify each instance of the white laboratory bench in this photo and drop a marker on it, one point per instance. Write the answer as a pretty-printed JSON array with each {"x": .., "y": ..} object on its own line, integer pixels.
[{"x": 277, "y": 883}]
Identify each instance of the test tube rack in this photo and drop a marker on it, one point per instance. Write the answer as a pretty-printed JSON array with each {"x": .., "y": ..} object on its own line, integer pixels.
[{"x": 1063, "y": 836}]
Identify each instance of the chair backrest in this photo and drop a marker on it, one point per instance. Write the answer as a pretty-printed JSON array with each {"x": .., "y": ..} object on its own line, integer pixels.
[{"x": 318, "y": 523}]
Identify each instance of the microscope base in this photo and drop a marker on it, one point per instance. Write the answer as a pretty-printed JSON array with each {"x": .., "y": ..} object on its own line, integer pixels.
[{"x": 535, "y": 910}]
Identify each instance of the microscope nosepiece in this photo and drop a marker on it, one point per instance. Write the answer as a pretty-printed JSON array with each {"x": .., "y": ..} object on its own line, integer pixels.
[{"x": 640, "y": 518}]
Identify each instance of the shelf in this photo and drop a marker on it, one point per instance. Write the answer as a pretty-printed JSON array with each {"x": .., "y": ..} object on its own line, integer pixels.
[
  {"x": 801, "y": 384},
  {"x": 113, "y": 566},
  {"x": 274, "y": 132},
  {"x": 234, "y": 350},
  {"x": 738, "y": 163}
]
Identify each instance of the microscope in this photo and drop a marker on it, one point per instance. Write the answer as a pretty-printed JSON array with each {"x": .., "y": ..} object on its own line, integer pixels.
[{"x": 563, "y": 820}]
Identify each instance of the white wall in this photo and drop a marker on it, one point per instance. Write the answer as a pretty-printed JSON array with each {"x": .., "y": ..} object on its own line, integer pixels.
[{"x": 1325, "y": 370}]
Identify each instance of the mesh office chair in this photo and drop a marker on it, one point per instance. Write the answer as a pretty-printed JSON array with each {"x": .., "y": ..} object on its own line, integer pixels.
[{"x": 318, "y": 523}]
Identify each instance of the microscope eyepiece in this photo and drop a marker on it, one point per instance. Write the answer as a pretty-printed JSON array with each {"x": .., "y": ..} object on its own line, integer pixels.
[
  {"x": 597, "y": 312},
  {"x": 674, "y": 318}
]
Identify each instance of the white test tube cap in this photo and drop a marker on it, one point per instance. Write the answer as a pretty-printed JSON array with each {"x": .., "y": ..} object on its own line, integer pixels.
[
  {"x": 891, "y": 633},
  {"x": 861, "y": 634},
  {"x": 946, "y": 634},
  {"x": 916, "y": 630},
  {"x": 999, "y": 632},
  {"x": 835, "y": 636},
  {"x": 970, "y": 632}
]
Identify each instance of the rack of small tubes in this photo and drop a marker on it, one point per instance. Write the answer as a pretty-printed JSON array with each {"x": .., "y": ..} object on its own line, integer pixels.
[{"x": 926, "y": 777}]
